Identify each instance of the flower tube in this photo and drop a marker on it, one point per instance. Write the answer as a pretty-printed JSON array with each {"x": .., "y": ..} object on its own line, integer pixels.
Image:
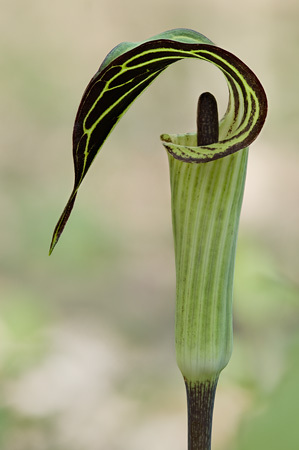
[{"x": 206, "y": 203}]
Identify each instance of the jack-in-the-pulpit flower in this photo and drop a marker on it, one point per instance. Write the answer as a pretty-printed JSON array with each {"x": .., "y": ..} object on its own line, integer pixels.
[{"x": 207, "y": 175}]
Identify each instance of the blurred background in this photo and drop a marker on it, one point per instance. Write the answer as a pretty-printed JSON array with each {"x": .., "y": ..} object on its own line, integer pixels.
[{"x": 87, "y": 358}]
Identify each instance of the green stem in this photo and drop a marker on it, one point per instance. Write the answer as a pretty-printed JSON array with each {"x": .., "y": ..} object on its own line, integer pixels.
[{"x": 200, "y": 401}]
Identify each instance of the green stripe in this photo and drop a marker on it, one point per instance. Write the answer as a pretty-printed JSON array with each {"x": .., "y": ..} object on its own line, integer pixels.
[{"x": 206, "y": 203}]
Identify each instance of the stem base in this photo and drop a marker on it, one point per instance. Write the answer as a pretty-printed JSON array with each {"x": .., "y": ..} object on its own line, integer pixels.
[{"x": 200, "y": 402}]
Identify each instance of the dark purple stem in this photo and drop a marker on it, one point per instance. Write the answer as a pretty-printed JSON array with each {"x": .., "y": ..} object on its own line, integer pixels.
[{"x": 200, "y": 401}]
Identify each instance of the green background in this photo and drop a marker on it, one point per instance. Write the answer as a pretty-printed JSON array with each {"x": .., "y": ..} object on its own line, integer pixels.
[{"x": 87, "y": 357}]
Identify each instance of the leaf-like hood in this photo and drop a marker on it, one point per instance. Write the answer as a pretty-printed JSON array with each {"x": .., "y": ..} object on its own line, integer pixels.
[{"x": 125, "y": 73}]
